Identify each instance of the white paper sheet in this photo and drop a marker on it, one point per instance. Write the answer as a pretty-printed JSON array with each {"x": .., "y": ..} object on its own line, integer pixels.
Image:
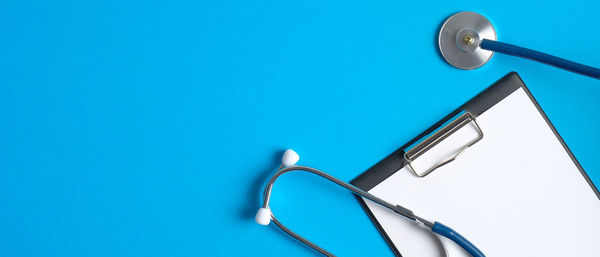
[{"x": 515, "y": 193}]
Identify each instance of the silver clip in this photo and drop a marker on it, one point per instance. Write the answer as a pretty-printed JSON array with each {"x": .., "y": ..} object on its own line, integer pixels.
[{"x": 438, "y": 137}]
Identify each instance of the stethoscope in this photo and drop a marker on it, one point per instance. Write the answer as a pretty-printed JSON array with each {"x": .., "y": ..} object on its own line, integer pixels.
[
  {"x": 467, "y": 41},
  {"x": 264, "y": 216}
]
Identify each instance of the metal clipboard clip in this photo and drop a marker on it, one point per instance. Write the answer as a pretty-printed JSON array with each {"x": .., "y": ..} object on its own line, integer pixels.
[{"x": 437, "y": 137}]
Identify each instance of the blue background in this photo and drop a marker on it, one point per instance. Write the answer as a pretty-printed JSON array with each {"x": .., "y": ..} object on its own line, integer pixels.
[{"x": 147, "y": 128}]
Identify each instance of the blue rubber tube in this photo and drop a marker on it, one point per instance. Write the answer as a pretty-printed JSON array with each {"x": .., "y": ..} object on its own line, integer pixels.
[
  {"x": 449, "y": 233},
  {"x": 518, "y": 51}
]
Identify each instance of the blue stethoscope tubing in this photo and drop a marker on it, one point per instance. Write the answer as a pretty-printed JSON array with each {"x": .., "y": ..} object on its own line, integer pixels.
[
  {"x": 523, "y": 52},
  {"x": 264, "y": 215},
  {"x": 457, "y": 238}
]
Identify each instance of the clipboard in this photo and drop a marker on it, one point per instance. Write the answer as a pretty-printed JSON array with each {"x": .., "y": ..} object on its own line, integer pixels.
[{"x": 497, "y": 171}]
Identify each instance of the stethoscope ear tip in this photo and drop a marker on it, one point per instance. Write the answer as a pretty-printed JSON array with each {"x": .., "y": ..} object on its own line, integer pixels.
[
  {"x": 460, "y": 37},
  {"x": 290, "y": 158},
  {"x": 263, "y": 216}
]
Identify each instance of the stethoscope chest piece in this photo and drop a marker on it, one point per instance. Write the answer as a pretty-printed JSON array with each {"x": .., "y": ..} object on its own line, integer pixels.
[{"x": 460, "y": 37}]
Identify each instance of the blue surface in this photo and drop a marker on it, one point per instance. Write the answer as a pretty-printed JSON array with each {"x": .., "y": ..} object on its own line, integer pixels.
[{"x": 145, "y": 128}]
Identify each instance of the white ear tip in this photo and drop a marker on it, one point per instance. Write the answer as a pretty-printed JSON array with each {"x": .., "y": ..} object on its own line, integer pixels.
[
  {"x": 263, "y": 216},
  {"x": 290, "y": 157}
]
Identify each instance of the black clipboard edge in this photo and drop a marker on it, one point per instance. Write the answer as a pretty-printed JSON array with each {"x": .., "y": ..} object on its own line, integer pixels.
[
  {"x": 387, "y": 239},
  {"x": 477, "y": 105}
]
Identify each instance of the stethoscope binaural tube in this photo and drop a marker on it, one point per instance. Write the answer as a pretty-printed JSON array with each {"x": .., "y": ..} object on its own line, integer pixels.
[
  {"x": 467, "y": 40},
  {"x": 264, "y": 215}
]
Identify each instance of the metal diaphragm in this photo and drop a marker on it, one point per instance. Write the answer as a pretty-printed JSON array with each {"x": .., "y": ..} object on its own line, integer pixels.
[{"x": 460, "y": 37}]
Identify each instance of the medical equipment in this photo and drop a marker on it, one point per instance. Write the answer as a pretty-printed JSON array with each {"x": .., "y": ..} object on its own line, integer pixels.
[
  {"x": 467, "y": 40},
  {"x": 290, "y": 158}
]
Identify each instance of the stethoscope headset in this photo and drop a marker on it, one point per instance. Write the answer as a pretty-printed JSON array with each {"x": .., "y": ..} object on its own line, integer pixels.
[
  {"x": 467, "y": 40},
  {"x": 264, "y": 216}
]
